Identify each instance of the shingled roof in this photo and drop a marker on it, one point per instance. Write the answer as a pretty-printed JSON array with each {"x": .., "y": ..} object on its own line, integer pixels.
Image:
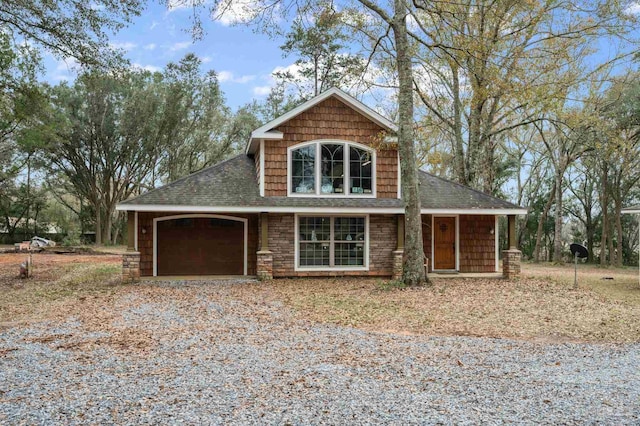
[{"x": 233, "y": 185}]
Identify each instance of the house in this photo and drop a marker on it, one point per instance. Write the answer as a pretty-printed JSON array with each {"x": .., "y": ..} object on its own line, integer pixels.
[{"x": 316, "y": 193}]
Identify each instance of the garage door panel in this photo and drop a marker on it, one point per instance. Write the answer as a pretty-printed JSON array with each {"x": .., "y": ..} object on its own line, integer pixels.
[{"x": 200, "y": 246}]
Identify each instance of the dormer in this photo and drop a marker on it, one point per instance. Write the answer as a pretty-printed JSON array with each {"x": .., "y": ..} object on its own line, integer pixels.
[{"x": 330, "y": 146}]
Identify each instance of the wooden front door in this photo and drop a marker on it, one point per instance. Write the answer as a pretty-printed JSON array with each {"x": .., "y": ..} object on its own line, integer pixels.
[{"x": 444, "y": 242}]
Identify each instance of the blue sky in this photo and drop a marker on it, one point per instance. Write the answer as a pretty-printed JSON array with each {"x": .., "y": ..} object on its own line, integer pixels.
[{"x": 243, "y": 59}]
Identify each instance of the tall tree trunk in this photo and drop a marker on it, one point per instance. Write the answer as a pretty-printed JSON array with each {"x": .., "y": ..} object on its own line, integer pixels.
[
  {"x": 557, "y": 237},
  {"x": 541, "y": 221},
  {"x": 605, "y": 215},
  {"x": 98, "y": 225},
  {"x": 413, "y": 272},
  {"x": 618, "y": 220}
]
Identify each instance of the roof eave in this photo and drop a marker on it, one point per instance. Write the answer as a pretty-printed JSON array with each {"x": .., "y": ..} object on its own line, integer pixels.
[{"x": 313, "y": 209}]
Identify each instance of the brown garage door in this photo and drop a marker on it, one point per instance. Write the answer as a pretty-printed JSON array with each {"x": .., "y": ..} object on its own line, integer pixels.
[{"x": 200, "y": 246}]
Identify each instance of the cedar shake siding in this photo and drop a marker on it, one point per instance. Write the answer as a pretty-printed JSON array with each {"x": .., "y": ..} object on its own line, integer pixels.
[
  {"x": 382, "y": 243},
  {"x": 145, "y": 240},
  {"x": 477, "y": 244},
  {"x": 330, "y": 119}
]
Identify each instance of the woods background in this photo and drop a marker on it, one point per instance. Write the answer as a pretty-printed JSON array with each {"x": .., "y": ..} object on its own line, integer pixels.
[{"x": 536, "y": 102}]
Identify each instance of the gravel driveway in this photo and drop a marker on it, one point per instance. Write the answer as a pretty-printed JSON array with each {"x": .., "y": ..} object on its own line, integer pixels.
[{"x": 206, "y": 354}]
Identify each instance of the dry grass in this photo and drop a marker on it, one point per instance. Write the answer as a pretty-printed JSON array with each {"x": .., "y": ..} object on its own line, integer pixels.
[
  {"x": 541, "y": 306},
  {"x": 56, "y": 279}
]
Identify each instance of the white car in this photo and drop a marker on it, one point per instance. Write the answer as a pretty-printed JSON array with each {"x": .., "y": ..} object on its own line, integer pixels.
[{"x": 42, "y": 242}]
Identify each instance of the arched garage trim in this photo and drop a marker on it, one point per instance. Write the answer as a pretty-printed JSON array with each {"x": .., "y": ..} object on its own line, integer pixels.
[{"x": 197, "y": 216}]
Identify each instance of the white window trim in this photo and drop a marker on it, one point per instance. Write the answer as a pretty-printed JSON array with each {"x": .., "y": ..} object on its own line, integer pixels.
[
  {"x": 196, "y": 216},
  {"x": 433, "y": 252},
  {"x": 299, "y": 268},
  {"x": 317, "y": 178},
  {"x": 262, "y": 167}
]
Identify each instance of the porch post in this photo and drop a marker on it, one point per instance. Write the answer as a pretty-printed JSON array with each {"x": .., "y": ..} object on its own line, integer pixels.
[
  {"x": 398, "y": 253},
  {"x": 511, "y": 258},
  {"x": 131, "y": 258},
  {"x": 265, "y": 256},
  {"x": 512, "y": 232}
]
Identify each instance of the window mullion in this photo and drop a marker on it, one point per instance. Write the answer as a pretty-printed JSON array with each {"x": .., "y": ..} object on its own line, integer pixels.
[
  {"x": 332, "y": 262},
  {"x": 318, "y": 180},
  {"x": 346, "y": 168}
]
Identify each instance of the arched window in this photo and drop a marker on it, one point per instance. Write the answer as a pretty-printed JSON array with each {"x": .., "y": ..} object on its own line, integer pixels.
[{"x": 331, "y": 168}]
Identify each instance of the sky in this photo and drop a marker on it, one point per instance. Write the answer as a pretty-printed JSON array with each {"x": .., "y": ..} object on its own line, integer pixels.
[{"x": 243, "y": 59}]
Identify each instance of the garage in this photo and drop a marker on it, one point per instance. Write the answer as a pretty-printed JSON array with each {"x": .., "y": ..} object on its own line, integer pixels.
[{"x": 192, "y": 245}]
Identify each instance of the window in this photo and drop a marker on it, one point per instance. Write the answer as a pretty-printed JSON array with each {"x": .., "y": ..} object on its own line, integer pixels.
[
  {"x": 331, "y": 169},
  {"x": 332, "y": 242}
]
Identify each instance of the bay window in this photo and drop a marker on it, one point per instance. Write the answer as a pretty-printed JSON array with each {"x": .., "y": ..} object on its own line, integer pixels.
[{"x": 328, "y": 168}]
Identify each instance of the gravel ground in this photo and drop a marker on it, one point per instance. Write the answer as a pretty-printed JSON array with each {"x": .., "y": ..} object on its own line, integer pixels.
[{"x": 200, "y": 354}]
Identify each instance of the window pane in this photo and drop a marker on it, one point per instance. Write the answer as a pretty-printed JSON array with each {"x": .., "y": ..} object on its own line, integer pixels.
[
  {"x": 349, "y": 229},
  {"x": 303, "y": 162},
  {"x": 332, "y": 168},
  {"x": 349, "y": 254},
  {"x": 315, "y": 228},
  {"x": 314, "y": 254},
  {"x": 360, "y": 171}
]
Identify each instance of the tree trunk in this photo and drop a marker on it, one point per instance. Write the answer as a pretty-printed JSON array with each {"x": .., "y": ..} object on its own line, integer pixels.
[
  {"x": 541, "y": 221},
  {"x": 413, "y": 272},
  {"x": 618, "y": 220},
  {"x": 557, "y": 237},
  {"x": 605, "y": 215},
  {"x": 98, "y": 225}
]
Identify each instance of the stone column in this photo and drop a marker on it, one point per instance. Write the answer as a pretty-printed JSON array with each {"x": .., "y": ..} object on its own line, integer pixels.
[
  {"x": 511, "y": 263},
  {"x": 398, "y": 256},
  {"x": 131, "y": 267},
  {"x": 264, "y": 268}
]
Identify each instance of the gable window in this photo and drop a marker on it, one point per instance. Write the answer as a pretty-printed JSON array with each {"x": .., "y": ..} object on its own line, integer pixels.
[
  {"x": 331, "y": 168},
  {"x": 331, "y": 242}
]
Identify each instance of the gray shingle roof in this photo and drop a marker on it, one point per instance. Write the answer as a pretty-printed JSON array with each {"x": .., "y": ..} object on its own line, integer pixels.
[{"x": 233, "y": 183}]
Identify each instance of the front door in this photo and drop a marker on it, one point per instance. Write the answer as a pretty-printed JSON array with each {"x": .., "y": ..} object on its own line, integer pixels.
[{"x": 444, "y": 242}]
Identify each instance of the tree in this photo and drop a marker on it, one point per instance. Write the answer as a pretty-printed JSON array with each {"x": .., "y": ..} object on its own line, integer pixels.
[
  {"x": 321, "y": 48},
  {"x": 486, "y": 68},
  {"x": 194, "y": 120},
  {"x": 103, "y": 140},
  {"x": 69, "y": 28}
]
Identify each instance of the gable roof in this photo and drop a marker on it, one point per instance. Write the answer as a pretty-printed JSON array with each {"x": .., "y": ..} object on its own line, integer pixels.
[
  {"x": 267, "y": 130},
  {"x": 232, "y": 185}
]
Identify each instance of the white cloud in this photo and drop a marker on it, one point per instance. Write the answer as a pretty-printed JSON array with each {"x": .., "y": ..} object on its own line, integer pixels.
[
  {"x": 150, "y": 68},
  {"x": 227, "y": 76},
  {"x": 150, "y": 46},
  {"x": 153, "y": 25},
  {"x": 230, "y": 12},
  {"x": 125, "y": 45},
  {"x": 181, "y": 45},
  {"x": 262, "y": 90},
  {"x": 206, "y": 59},
  {"x": 633, "y": 9}
]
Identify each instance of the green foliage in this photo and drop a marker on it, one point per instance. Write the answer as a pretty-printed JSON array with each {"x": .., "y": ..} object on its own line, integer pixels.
[
  {"x": 319, "y": 40},
  {"x": 70, "y": 28}
]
